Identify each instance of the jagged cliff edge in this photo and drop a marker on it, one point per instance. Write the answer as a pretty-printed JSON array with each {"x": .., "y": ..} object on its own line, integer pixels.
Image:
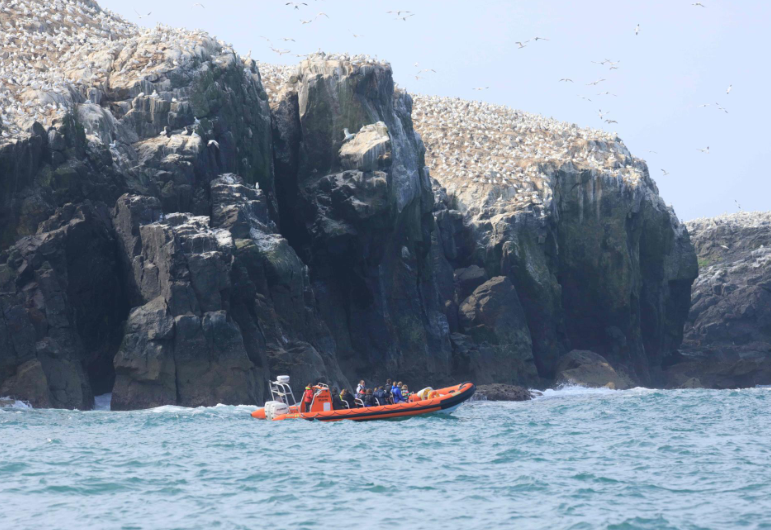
[{"x": 173, "y": 234}]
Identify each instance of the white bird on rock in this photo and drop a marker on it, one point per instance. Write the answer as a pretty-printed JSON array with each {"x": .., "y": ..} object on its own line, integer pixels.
[{"x": 348, "y": 135}]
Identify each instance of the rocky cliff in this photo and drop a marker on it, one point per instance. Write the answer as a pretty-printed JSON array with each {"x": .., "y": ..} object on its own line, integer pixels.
[
  {"x": 728, "y": 333},
  {"x": 175, "y": 233}
]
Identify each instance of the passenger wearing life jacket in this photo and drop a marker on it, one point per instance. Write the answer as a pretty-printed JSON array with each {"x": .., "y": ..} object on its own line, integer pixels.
[
  {"x": 406, "y": 393},
  {"x": 360, "y": 389},
  {"x": 396, "y": 394},
  {"x": 308, "y": 398}
]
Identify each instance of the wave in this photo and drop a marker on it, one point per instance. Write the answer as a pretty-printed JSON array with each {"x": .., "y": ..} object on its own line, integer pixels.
[
  {"x": 578, "y": 390},
  {"x": 197, "y": 410},
  {"x": 6, "y": 402},
  {"x": 102, "y": 402}
]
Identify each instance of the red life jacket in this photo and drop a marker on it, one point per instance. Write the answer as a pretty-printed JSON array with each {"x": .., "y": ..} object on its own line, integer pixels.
[{"x": 308, "y": 395}]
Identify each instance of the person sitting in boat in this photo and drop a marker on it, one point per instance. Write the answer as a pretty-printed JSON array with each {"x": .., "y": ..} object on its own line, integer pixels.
[
  {"x": 360, "y": 389},
  {"x": 379, "y": 396},
  {"x": 387, "y": 392},
  {"x": 348, "y": 398},
  {"x": 396, "y": 394},
  {"x": 406, "y": 393},
  {"x": 337, "y": 403},
  {"x": 369, "y": 399},
  {"x": 308, "y": 397}
]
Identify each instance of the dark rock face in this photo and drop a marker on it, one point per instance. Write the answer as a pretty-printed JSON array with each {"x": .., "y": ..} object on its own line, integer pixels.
[
  {"x": 731, "y": 312},
  {"x": 586, "y": 368},
  {"x": 728, "y": 334},
  {"x": 207, "y": 292},
  {"x": 177, "y": 241},
  {"x": 502, "y": 349},
  {"x": 361, "y": 214},
  {"x": 62, "y": 307},
  {"x": 710, "y": 372},
  {"x": 606, "y": 267},
  {"x": 499, "y": 392}
]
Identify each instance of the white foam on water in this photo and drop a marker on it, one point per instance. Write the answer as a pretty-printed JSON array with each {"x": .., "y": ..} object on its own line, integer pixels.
[
  {"x": 198, "y": 410},
  {"x": 14, "y": 403},
  {"x": 567, "y": 391},
  {"x": 102, "y": 402}
]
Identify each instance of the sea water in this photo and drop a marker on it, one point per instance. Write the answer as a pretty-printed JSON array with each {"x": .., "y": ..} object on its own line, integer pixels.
[{"x": 573, "y": 458}]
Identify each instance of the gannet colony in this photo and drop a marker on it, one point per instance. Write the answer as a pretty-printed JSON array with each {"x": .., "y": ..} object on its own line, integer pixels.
[
  {"x": 493, "y": 156},
  {"x": 59, "y": 53}
]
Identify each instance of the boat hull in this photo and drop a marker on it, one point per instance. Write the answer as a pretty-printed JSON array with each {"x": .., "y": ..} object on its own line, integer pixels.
[{"x": 447, "y": 401}]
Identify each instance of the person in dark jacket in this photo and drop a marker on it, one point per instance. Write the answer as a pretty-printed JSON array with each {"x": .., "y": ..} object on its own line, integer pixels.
[
  {"x": 337, "y": 403},
  {"x": 396, "y": 394},
  {"x": 387, "y": 391},
  {"x": 369, "y": 399},
  {"x": 379, "y": 396},
  {"x": 348, "y": 398}
]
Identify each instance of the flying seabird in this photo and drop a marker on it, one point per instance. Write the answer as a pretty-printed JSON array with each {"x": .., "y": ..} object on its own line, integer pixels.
[
  {"x": 348, "y": 135},
  {"x": 728, "y": 91},
  {"x": 637, "y": 30},
  {"x": 665, "y": 172},
  {"x": 566, "y": 80},
  {"x": 705, "y": 150}
]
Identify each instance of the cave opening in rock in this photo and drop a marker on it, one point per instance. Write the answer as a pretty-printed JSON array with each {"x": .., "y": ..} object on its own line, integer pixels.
[{"x": 99, "y": 300}]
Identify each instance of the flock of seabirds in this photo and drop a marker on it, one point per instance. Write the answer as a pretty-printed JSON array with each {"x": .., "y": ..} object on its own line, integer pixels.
[{"x": 55, "y": 51}]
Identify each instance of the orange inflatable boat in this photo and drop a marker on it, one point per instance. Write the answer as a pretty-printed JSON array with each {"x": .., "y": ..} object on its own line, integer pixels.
[{"x": 428, "y": 401}]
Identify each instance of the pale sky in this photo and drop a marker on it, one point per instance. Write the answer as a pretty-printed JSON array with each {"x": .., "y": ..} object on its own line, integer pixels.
[{"x": 684, "y": 56}]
